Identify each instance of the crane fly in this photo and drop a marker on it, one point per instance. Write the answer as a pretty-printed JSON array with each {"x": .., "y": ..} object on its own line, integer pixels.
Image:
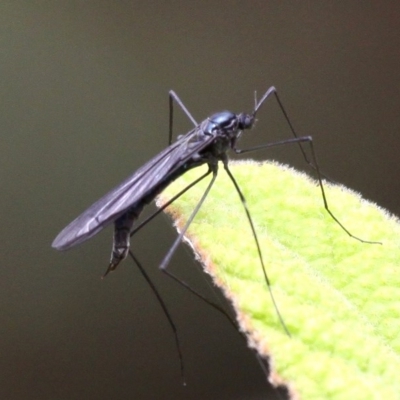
[{"x": 207, "y": 143}]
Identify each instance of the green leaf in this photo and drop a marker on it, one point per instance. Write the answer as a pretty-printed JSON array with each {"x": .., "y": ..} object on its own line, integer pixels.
[{"x": 339, "y": 298}]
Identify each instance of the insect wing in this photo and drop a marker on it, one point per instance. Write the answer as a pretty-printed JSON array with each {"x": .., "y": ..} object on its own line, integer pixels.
[{"x": 130, "y": 191}]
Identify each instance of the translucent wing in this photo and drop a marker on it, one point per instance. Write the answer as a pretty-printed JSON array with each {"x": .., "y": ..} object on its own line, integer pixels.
[{"x": 131, "y": 191}]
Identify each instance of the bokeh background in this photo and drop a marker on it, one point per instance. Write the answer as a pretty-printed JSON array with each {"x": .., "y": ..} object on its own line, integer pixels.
[{"x": 84, "y": 103}]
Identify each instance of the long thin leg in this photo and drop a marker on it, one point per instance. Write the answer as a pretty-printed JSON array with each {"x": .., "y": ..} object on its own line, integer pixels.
[
  {"x": 274, "y": 144},
  {"x": 165, "y": 310},
  {"x": 163, "y": 266},
  {"x": 173, "y": 96},
  {"x": 309, "y": 140},
  {"x": 169, "y": 202},
  {"x": 178, "y": 240},
  {"x": 243, "y": 200},
  {"x": 268, "y": 93},
  {"x": 154, "y": 289},
  {"x": 265, "y": 365}
]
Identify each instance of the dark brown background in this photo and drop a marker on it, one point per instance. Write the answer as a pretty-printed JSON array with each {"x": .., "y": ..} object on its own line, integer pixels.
[{"x": 84, "y": 103}]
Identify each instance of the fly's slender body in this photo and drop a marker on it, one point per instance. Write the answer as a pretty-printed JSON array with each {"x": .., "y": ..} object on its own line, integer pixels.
[{"x": 207, "y": 143}]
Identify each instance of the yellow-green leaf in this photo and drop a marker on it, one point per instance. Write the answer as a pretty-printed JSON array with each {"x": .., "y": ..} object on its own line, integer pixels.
[{"x": 339, "y": 298}]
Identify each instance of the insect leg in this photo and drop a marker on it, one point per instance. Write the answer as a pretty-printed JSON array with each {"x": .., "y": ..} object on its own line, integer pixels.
[
  {"x": 123, "y": 227},
  {"x": 272, "y": 91},
  {"x": 165, "y": 310},
  {"x": 179, "y": 239},
  {"x": 253, "y": 230},
  {"x": 307, "y": 139},
  {"x": 164, "y": 263},
  {"x": 170, "y": 201},
  {"x": 173, "y": 96}
]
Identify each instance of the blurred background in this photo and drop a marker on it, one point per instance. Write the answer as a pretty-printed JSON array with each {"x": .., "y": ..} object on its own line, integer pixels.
[{"x": 84, "y": 102}]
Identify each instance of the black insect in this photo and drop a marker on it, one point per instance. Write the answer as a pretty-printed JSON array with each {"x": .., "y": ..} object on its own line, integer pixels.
[{"x": 207, "y": 143}]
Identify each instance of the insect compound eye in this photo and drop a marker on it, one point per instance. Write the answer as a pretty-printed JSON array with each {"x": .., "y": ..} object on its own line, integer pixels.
[{"x": 245, "y": 121}]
